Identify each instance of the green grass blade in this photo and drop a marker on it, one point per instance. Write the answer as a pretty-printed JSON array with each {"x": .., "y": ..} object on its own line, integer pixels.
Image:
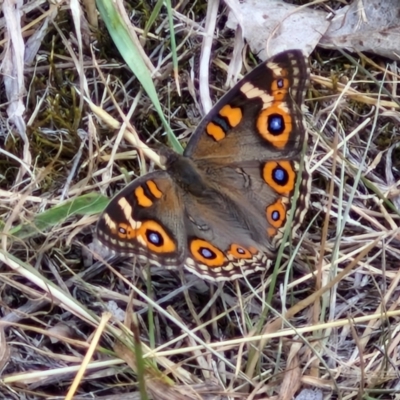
[
  {"x": 173, "y": 42},
  {"x": 153, "y": 17},
  {"x": 88, "y": 204},
  {"x": 122, "y": 37}
]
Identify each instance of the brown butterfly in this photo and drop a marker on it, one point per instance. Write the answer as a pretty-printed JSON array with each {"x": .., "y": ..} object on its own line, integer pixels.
[{"x": 221, "y": 208}]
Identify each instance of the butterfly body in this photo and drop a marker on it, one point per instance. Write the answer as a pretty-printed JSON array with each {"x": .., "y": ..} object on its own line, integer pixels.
[{"x": 220, "y": 209}]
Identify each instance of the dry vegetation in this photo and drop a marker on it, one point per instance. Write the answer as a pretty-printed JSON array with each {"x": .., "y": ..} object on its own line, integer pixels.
[{"x": 327, "y": 319}]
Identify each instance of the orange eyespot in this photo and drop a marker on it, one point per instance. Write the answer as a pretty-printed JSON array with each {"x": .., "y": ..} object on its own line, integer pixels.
[
  {"x": 279, "y": 88},
  {"x": 276, "y": 214},
  {"x": 274, "y": 124},
  {"x": 125, "y": 231},
  {"x": 154, "y": 236},
  {"x": 239, "y": 251},
  {"x": 205, "y": 253},
  {"x": 280, "y": 175}
]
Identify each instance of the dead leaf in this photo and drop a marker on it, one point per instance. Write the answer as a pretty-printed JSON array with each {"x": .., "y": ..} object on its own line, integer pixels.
[
  {"x": 366, "y": 25},
  {"x": 273, "y": 26}
]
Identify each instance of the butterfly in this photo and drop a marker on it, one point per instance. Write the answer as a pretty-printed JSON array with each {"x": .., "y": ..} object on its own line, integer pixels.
[{"x": 220, "y": 209}]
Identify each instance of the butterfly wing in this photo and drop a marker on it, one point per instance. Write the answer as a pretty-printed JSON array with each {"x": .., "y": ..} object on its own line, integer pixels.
[
  {"x": 220, "y": 209},
  {"x": 259, "y": 118},
  {"x": 146, "y": 219},
  {"x": 264, "y": 192},
  {"x": 220, "y": 244},
  {"x": 248, "y": 149}
]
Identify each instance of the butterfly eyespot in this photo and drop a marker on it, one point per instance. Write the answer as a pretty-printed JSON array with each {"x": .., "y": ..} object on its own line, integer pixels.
[
  {"x": 155, "y": 237},
  {"x": 280, "y": 176},
  {"x": 125, "y": 231},
  {"x": 279, "y": 89},
  {"x": 206, "y": 253},
  {"x": 276, "y": 124},
  {"x": 239, "y": 251},
  {"x": 276, "y": 213}
]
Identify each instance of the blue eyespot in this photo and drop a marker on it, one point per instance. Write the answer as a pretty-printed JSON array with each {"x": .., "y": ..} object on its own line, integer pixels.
[
  {"x": 279, "y": 83},
  {"x": 154, "y": 238},
  {"x": 280, "y": 175},
  {"x": 207, "y": 253},
  {"x": 276, "y": 124},
  {"x": 275, "y": 215}
]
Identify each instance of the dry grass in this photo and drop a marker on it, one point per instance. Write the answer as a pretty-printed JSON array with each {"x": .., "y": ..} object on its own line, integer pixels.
[{"x": 70, "y": 322}]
